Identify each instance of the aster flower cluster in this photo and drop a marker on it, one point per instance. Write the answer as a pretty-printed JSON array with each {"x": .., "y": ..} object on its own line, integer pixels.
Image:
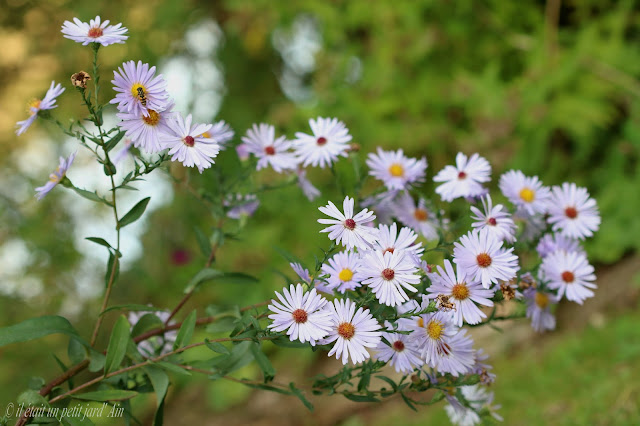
[
  {"x": 389, "y": 303},
  {"x": 403, "y": 282}
]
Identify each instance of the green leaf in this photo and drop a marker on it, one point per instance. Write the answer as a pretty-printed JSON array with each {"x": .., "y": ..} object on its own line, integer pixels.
[
  {"x": 240, "y": 356},
  {"x": 287, "y": 255},
  {"x": 77, "y": 421},
  {"x": 186, "y": 331},
  {"x": 238, "y": 278},
  {"x": 361, "y": 398},
  {"x": 159, "y": 381},
  {"x": 268, "y": 372},
  {"x": 206, "y": 274},
  {"x": 388, "y": 380},
  {"x": 223, "y": 325},
  {"x": 36, "y": 383},
  {"x": 100, "y": 241},
  {"x": 146, "y": 323},
  {"x": 32, "y": 398},
  {"x": 217, "y": 347},
  {"x": 203, "y": 242},
  {"x": 158, "y": 417},
  {"x": 118, "y": 343},
  {"x": 76, "y": 351},
  {"x": 35, "y": 328},
  {"x": 132, "y": 307},
  {"x": 297, "y": 392},
  {"x": 108, "y": 146},
  {"x": 106, "y": 395},
  {"x": 286, "y": 343},
  {"x": 91, "y": 196},
  {"x": 134, "y": 214},
  {"x": 408, "y": 401},
  {"x": 173, "y": 368},
  {"x": 96, "y": 361}
]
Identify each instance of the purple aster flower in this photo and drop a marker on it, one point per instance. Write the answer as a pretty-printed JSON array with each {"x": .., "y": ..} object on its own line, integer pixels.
[
  {"x": 37, "y": 105},
  {"x": 94, "y": 32},
  {"x": 139, "y": 89},
  {"x": 187, "y": 145},
  {"x": 55, "y": 177}
]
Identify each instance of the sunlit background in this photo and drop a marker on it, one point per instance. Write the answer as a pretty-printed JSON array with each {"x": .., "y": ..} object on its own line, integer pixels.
[{"x": 548, "y": 87}]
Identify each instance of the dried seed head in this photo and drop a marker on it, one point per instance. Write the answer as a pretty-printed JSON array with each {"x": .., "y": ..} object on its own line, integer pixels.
[
  {"x": 80, "y": 79},
  {"x": 508, "y": 291}
]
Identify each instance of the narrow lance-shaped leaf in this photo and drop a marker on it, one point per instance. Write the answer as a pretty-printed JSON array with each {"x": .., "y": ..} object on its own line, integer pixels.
[
  {"x": 134, "y": 214},
  {"x": 117, "y": 345},
  {"x": 268, "y": 372},
  {"x": 35, "y": 328},
  {"x": 186, "y": 331},
  {"x": 159, "y": 380},
  {"x": 106, "y": 395}
]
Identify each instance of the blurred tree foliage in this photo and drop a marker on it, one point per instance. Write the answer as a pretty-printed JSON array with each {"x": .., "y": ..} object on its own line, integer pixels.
[{"x": 547, "y": 87}]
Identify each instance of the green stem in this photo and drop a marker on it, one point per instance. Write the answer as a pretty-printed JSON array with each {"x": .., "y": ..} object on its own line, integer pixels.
[
  {"x": 151, "y": 361},
  {"x": 108, "y": 166}
]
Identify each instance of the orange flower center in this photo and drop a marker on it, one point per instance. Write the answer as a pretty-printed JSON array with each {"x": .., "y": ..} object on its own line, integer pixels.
[
  {"x": 346, "y": 330},
  {"x": 152, "y": 119},
  {"x": 95, "y": 32},
  {"x": 189, "y": 141},
  {"x": 388, "y": 274},
  {"x": 571, "y": 212},
  {"x": 398, "y": 346},
  {"x": 299, "y": 316},
  {"x": 421, "y": 215},
  {"x": 484, "y": 260},
  {"x": 568, "y": 277}
]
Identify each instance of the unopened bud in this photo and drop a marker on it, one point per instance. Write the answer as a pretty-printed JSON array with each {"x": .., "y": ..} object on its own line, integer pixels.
[
  {"x": 80, "y": 79},
  {"x": 354, "y": 147}
]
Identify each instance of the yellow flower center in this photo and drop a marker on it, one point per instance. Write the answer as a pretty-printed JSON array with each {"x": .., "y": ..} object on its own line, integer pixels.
[
  {"x": 142, "y": 93},
  {"x": 152, "y": 119},
  {"x": 33, "y": 104},
  {"x": 206, "y": 135},
  {"x": 420, "y": 322},
  {"x": 527, "y": 195},
  {"x": 345, "y": 275},
  {"x": 542, "y": 300},
  {"x": 53, "y": 177},
  {"x": 396, "y": 170},
  {"x": 460, "y": 291},
  {"x": 435, "y": 329}
]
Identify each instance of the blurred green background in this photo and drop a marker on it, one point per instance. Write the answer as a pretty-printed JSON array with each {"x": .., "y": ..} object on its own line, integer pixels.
[{"x": 548, "y": 87}]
